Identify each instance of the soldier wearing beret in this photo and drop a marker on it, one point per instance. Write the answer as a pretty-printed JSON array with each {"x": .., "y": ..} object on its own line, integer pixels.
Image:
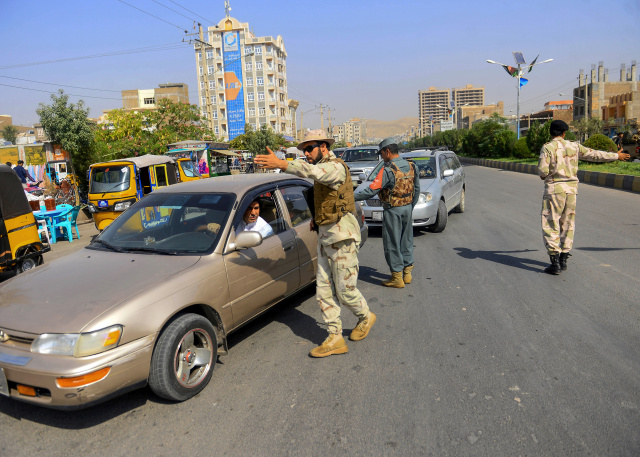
[
  {"x": 398, "y": 184},
  {"x": 338, "y": 238},
  {"x": 558, "y": 167}
]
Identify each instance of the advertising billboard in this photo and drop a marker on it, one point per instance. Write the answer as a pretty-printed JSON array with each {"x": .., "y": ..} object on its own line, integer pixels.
[{"x": 234, "y": 92}]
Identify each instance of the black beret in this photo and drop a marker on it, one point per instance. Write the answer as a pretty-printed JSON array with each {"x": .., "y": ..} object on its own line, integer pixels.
[{"x": 559, "y": 126}]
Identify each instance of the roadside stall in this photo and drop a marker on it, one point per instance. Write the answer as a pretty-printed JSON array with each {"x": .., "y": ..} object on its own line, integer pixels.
[{"x": 212, "y": 158}]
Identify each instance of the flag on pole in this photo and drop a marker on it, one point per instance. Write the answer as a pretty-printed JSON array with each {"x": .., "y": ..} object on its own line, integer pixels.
[
  {"x": 523, "y": 81},
  {"x": 533, "y": 63},
  {"x": 511, "y": 70}
]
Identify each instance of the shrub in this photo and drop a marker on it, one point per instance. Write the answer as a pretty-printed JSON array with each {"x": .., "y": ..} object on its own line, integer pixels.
[
  {"x": 521, "y": 150},
  {"x": 537, "y": 136},
  {"x": 600, "y": 142},
  {"x": 570, "y": 136}
]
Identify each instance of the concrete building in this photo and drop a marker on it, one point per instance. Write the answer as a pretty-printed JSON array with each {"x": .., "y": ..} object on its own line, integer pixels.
[
  {"x": 468, "y": 95},
  {"x": 243, "y": 80},
  {"x": 467, "y": 115},
  {"x": 622, "y": 109},
  {"x": 554, "y": 111},
  {"x": 432, "y": 106},
  {"x": 595, "y": 90},
  {"x": 148, "y": 98},
  {"x": 353, "y": 132}
]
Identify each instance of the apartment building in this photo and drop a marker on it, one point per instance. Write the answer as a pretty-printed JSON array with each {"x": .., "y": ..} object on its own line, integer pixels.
[
  {"x": 148, "y": 98},
  {"x": 469, "y": 114},
  {"x": 468, "y": 95},
  {"x": 432, "y": 106},
  {"x": 594, "y": 91},
  {"x": 353, "y": 132},
  {"x": 243, "y": 80}
]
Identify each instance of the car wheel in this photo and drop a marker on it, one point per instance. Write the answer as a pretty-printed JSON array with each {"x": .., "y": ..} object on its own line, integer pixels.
[
  {"x": 184, "y": 357},
  {"x": 460, "y": 207},
  {"x": 441, "y": 219},
  {"x": 28, "y": 264}
]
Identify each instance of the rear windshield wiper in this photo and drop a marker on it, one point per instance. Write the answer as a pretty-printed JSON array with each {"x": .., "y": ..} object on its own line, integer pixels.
[{"x": 108, "y": 245}]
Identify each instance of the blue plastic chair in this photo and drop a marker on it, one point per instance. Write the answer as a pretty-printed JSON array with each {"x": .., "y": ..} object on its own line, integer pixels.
[
  {"x": 64, "y": 206},
  {"x": 66, "y": 221}
]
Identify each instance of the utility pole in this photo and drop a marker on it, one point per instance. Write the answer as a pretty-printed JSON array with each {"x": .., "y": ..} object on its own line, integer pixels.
[
  {"x": 329, "y": 109},
  {"x": 321, "y": 118}
]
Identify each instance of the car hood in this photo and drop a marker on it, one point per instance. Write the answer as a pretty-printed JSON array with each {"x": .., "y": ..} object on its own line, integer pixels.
[
  {"x": 425, "y": 185},
  {"x": 63, "y": 296},
  {"x": 362, "y": 164}
]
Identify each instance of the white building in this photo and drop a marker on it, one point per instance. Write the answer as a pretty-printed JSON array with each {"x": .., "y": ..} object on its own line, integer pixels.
[{"x": 243, "y": 79}]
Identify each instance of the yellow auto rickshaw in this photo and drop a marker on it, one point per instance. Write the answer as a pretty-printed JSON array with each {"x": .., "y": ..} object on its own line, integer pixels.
[
  {"x": 116, "y": 185},
  {"x": 187, "y": 170},
  {"x": 20, "y": 245}
]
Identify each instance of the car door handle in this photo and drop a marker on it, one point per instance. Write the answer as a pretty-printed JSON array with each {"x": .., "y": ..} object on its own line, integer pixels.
[{"x": 288, "y": 247}]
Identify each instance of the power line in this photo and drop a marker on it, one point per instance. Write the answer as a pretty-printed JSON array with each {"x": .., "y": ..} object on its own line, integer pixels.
[
  {"x": 170, "y": 9},
  {"x": 60, "y": 85},
  {"x": 159, "y": 18},
  {"x": 49, "y": 92},
  {"x": 163, "y": 47},
  {"x": 212, "y": 22}
]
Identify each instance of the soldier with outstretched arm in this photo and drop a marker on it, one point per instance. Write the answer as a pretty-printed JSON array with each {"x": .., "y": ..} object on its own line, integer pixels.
[
  {"x": 558, "y": 167},
  {"x": 338, "y": 238}
]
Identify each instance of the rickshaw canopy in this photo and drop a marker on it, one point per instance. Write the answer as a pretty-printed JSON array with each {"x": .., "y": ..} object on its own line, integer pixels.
[{"x": 13, "y": 201}]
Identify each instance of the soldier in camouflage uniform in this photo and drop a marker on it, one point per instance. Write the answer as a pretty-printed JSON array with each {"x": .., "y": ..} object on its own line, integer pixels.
[
  {"x": 398, "y": 184},
  {"x": 558, "y": 167},
  {"x": 338, "y": 238}
]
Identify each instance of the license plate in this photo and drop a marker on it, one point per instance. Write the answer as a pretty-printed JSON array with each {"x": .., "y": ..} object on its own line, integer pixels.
[
  {"x": 4, "y": 385},
  {"x": 376, "y": 215},
  {"x": 103, "y": 203}
]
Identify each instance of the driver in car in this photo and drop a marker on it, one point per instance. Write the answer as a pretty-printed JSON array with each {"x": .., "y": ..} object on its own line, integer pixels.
[{"x": 252, "y": 222}]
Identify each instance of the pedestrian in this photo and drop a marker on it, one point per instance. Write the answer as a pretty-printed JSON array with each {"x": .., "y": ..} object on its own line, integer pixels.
[
  {"x": 23, "y": 174},
  {"x": 558, "y": 167},
  {"x": 338, "y": 238},
  {"x": 8, "y": 164},
  {"x": 398, "y": 183},
  {"x": 618, "y": 141}
]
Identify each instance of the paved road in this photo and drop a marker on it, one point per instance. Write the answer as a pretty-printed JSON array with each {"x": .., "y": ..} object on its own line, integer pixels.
[{"x": 483, "y": 355}]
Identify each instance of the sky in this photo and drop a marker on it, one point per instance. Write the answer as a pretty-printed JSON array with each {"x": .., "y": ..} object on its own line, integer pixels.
[{"x": 365, "y": 59}]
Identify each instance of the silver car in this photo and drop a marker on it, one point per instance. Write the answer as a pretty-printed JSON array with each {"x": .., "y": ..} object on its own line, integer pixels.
[
  {"x": 360, "y": 160},
  {"x": 442, "y": 190}
]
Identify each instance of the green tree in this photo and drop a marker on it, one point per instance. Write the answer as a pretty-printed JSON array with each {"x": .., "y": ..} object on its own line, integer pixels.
[
  {"x": 600, "y": 142},
  {"x": 9, "y": 133},
  {"x": 521, "y": 150},
  {"x": 489, "y": 138},
  {"x": 339, "y": 144},
  {"x": 587, "y": 127},
  {"x": 68, "y": 125},
  {"x": 537, "y": 136}
]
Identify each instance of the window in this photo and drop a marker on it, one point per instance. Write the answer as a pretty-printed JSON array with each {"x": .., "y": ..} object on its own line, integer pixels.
[
  {"x": 210, "y": 69},
  {"x": 258, "y": 66},
  {"x": 199, "y": 56},
  {"x": 214, "y": 115},
  {"x": 212, "y": 85},
  {"x": 258, "y": 50},
  {"x": 296, "y": 204},
  {"x": 201, "y": 85},
  {"x": 261, "y": 96},
  {"x": 262, "y": 111},
  {"x": 216, "y": 130},
  {"x": 248, "y": 66},
  {"x": 250, "y": 96},
  {"x": 213, "y": 99},
  {"x": 204, "y": 101},
  {"x": 269, "y": 212},
  {"x": 252, "y": 112},
  {"x": 209, "y": 54},
  {"x": 249, "y": 82},
  {"x": 260, "y": 81},
  {"x": 442, "y": 161},
  {"x": 218, "y": 52},
  {"x": 201, "y": 71},
  {"x": 248, "y": 50}
]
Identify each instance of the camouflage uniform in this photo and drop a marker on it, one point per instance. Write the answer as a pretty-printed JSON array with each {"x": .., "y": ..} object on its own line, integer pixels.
[
  {"x": 338, "y": 242},
  {"x": 397, "y": 223},
  {"x": 558, "y": 166}
]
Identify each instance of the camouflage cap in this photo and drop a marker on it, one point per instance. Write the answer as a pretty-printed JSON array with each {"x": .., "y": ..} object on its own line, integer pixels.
[{"x": 386, "y": 142}]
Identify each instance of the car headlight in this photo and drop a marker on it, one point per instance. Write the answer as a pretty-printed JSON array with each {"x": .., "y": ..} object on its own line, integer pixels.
[
  {"x": 92, "y": 208},
  {"x": 121, "y": 206},
  {"x": 366, "y": 171},
  {"x": 424, "y": 197},
  {"x": 78, "y": 344}
]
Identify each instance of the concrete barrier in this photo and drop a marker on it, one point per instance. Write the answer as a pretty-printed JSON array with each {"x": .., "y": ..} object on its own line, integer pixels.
[{"x": 625, "y": 182}]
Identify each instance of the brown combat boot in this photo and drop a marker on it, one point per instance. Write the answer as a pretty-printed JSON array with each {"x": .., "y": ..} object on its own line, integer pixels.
[
  {"x": 395, "y": 280},
  {"x": 334, "y": 344},
  {"x": 406, "y": 274},
  {"x": 362, "y": 329}
]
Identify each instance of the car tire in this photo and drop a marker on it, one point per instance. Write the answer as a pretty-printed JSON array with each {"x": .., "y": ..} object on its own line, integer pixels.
[
  {"x": 28, "y": 264},
  {"x": 460, "y": 207},
  {"x": 184, "y": 357},
  {"x": 441, "y": 219}
]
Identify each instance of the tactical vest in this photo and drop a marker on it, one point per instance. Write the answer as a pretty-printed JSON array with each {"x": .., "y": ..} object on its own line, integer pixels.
[
  {"x": 331, "y": 205},
  {"x": 402, "y": 192}
]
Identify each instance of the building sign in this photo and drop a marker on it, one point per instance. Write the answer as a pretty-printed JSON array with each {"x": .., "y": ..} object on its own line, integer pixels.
[
  {"x": 233, "y": 84},
  {"x": 446, "y": 125}
]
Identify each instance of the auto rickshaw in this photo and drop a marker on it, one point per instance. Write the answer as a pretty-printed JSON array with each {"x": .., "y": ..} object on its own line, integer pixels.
[
  {"x": 20, "y": 245},
  {"x": 116, "y": 185},
  {"x": 187, "y": 170}
]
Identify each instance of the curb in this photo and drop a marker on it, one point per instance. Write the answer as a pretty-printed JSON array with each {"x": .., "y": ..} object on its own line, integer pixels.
[{"x": 625, "y": 182}]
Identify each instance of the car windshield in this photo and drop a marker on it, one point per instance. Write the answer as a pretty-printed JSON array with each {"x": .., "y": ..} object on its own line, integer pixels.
[
  {"x": 360, "y": 155},
  {"x": 114, "y": 178},
  {"x": 169, "y": 224},
  {"x": 426, "y": 166},
  {"x": 189, "y": 168}
]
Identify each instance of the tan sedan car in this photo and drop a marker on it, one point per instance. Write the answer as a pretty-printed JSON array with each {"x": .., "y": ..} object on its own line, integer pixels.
[{"x": 153, "y": 298}]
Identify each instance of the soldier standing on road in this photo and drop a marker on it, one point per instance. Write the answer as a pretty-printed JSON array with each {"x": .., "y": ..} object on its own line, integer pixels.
[
  {"x": 398, "y": 184},
  {"x": 558, "y": 167},
  {"x": 338, "y": 238}
]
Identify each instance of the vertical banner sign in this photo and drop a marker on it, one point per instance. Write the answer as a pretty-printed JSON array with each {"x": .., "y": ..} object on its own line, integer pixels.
[{"x": 233, "y": 83}]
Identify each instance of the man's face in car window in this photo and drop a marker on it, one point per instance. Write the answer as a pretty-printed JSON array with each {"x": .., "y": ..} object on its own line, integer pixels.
[{"x": 252, "y": 213}]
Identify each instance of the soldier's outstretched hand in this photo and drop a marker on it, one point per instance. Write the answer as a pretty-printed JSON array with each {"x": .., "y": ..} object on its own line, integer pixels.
[
  {"x": 623, "y": 156},
  {"x": 270, "y": 161}
]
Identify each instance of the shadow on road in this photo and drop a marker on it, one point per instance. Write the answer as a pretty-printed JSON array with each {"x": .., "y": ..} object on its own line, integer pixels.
[
  {"x": 371, "y": 275},
  {"x": 598, "y": 249},
  {"x": 503, "y": 258}
]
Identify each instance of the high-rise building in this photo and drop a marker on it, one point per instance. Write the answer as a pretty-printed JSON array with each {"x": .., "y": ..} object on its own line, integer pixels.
[
  {"x": 242, "y": 79},
  {"x": 353, "y": 132},
  {"x": 432, "y": 106},
  {"x": 468, "y": 95}
]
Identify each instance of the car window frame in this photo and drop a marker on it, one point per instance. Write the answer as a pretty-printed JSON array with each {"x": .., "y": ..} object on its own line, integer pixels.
[{"x": 284, "y": 202}]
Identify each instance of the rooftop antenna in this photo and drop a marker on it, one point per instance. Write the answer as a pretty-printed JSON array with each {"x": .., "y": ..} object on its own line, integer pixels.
[{"x": 227, "y": 8}]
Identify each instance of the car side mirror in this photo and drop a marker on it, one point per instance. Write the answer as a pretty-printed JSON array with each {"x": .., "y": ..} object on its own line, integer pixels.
[
  {"x": 447, "y": 173},
  {"x": 245, "y": 240},
  {"x": 362, "y": 177}
]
